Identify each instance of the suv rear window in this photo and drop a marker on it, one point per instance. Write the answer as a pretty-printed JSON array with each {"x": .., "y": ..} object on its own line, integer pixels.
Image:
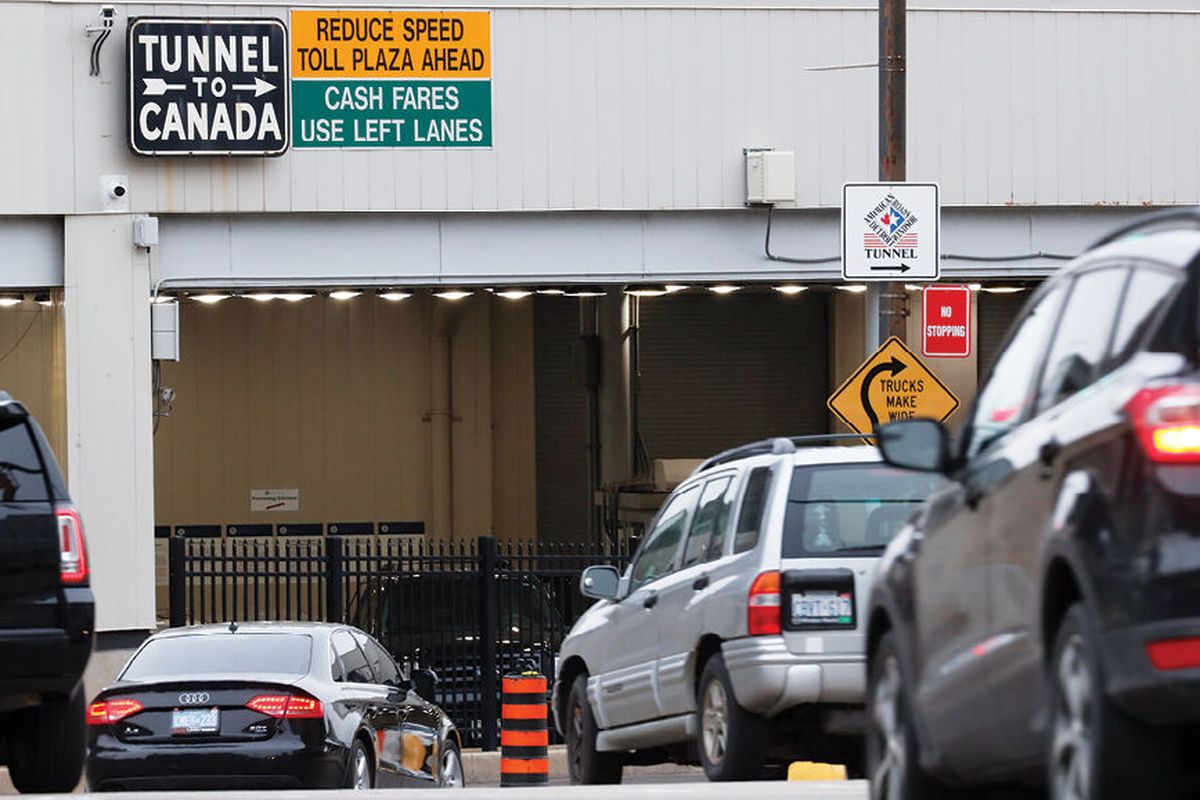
[
  {"x": 240, "y": 653},
  {"x": 22, "y": 474},
  {"x": 849, "y": 508}
]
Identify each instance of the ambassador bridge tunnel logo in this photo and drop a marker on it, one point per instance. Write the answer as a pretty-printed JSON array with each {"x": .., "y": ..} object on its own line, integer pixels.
[{"x": 890, "y": 231}]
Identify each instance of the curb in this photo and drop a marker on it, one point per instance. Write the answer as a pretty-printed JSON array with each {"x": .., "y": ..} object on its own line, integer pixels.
[{"x": 483, "y": 768}]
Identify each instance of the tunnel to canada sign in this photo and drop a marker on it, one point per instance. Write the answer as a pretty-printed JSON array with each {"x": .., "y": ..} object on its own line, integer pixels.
[
  {"x": 207, "y": 86},
  {"x": 391, "y": 78}
]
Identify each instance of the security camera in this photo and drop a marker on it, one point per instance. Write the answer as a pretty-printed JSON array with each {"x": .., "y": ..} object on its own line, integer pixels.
[
  {"x": 107, "y": 12},
  {"x": 167, "y": 395},
  {"x": 114, "y": 189}
]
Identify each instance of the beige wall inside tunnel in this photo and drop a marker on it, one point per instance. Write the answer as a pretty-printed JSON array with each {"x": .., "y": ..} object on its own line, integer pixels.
[
  {"x": 334, "y": 398},
  {"x": 32, "y": 364}
]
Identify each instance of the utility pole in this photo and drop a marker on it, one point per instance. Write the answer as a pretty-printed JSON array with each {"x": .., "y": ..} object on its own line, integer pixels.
[{"x": 893, "y": 100}]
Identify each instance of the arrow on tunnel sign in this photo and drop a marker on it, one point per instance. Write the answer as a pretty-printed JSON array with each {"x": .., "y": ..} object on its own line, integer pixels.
[{"x": 892, "y": 384}]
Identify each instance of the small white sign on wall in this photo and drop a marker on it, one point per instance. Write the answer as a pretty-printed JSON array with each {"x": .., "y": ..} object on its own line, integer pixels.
[{"x": 274, "y": 499}]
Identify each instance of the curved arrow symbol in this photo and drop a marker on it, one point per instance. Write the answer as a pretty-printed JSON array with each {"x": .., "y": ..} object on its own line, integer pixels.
[{"x": 895, "y": 366}]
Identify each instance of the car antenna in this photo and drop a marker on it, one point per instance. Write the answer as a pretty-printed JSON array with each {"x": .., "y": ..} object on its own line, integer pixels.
[{"x": 232, "y": 626}]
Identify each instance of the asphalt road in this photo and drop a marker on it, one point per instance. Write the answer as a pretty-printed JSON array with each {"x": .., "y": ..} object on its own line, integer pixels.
[
  {"x": 856, "y": 790},
  {"x": 684, "y": 786}
]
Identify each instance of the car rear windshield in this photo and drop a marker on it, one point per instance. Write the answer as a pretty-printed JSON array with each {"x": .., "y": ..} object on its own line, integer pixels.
[
  {"x": 22, "y": 473},
  {"x": 238, "y": 653},
  {"x": 851, "y": 508}
]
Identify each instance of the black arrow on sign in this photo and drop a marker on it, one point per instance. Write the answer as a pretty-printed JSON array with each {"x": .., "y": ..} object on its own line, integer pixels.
[
  {"x": 902, "y": 268},
  {"x": 895, "y": 366}
]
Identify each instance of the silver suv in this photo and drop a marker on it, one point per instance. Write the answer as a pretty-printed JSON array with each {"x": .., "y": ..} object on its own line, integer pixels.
[{"x": 734, "y": 638}]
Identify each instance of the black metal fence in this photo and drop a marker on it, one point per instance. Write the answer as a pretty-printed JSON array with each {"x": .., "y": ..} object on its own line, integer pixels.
[{"x": 470, "y": 610}]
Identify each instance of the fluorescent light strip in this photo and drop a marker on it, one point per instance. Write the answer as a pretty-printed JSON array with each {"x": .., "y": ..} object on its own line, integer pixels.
[{"x": 790, "y": 289}]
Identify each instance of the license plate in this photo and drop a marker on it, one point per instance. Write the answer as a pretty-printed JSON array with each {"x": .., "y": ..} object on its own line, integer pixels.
[
  {"x": 816, "y": 607},
  {"x": 195, "y": 720}
]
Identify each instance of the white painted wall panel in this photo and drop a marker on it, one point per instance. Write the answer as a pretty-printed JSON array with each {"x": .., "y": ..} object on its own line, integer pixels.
[
  {"x": 623, "y": 106},
  {"x": 31, "y": 252}
]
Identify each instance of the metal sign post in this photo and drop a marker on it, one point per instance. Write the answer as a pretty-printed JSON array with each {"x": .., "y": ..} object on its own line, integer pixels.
[{"x": 893, "y": 101}]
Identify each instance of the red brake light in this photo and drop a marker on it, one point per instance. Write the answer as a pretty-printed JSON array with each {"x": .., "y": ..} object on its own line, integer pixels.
[
  {"x": 1175, "y": 653},
  {"x": 106, "y": 712},
  {"x": 290, "y": 706},
  {"x": 301, "y": 707},
  {"x": 763, "y": 605},
  {"x": 1167, "y": 422},
  {"x": 73, "y": 567}
]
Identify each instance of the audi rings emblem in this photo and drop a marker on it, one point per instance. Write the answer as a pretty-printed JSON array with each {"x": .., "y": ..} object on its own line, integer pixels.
[{"x": 193, "y": 698}]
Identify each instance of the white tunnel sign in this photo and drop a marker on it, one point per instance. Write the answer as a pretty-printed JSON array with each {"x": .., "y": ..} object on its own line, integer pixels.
[{"x": 208, "y": 86}]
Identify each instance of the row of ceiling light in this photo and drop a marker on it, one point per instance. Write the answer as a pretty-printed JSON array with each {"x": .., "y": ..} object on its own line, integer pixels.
[
  {"x": 454, "y": 294},
  {"x": 11, "y": 300}
]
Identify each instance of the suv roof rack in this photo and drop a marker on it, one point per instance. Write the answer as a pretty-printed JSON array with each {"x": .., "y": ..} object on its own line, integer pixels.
[
  {"x": 781, "y": 445},
  {"x": 1168, "y": 215}
]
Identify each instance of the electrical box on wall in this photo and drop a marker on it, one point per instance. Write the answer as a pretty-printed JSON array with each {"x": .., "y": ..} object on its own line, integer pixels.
[
  {"x": 770, "y": 177},
  {"x": 164, "y": 331},
  {"x": 145, "y": 232}
]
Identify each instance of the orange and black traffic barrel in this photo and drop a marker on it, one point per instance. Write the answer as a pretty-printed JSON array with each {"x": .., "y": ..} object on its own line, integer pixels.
[{"x": 524, "y": 735}]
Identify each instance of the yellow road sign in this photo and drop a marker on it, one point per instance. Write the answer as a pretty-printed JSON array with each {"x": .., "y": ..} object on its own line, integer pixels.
[{"x": 892, "y": 384}]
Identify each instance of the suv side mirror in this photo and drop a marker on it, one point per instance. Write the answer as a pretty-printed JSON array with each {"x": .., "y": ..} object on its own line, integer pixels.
[
  {"x": 425, "y": 681},
  {"x": 600, "y": 582},
  {"x": 917, "y": 444}
]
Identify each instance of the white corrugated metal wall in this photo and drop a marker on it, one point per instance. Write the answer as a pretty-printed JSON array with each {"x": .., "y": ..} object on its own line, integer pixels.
[{"x": 649, "y": 108}]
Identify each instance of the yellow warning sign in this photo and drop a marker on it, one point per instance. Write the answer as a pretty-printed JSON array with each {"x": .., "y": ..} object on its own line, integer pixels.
[{"x": 892, "y": 384}]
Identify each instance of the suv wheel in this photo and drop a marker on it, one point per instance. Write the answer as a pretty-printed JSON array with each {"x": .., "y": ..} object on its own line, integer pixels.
[
  {"x": 732, "y": 741},
  {"x": 586, "y": 764},
  {"x": 893, "y": 755},
  {"x": 1096, "y": 751},
  {"x": 46, "y": 754}
]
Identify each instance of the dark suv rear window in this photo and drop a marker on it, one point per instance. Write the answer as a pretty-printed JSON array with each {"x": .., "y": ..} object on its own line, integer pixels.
[
  {"x": 839, "y": 509},
  {"x": 239, "y": 653},
  {"x": 22, "y": 474}
]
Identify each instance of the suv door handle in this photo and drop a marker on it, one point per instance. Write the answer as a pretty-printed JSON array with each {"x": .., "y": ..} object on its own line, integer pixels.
[
  {"x": 1048, "y": 454},
  {"x": 700, "y": 583},
  {"x": 650, "y": 602},
  {"x": 973, "y": 496}
]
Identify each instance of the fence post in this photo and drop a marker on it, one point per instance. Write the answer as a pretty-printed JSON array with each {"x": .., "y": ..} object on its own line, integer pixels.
[
  {"x": 176, "y": 580},
  {"x": 488, "y": 602},
  {"x": 334, "y": 570}
]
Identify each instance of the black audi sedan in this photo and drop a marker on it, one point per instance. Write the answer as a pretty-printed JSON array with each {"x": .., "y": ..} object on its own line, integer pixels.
[
  {"x": 268, "y": 705},
  {"x": 1038, "y": 622}
]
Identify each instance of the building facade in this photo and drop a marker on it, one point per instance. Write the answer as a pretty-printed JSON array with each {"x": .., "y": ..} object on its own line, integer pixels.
[{"x": 599, "y": 157}]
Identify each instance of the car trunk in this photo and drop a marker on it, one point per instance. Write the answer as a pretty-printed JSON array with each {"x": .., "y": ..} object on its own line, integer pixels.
[
  {"x": 196, "y": 711},
  {"x": 838, "y": 521},
  {"x": 822, "y": 604}
]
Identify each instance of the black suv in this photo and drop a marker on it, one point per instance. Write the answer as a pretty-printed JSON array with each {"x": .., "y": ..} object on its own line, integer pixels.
[
  {"x": 46, "y": 612},
  {"x": 1038, "y": 621}
]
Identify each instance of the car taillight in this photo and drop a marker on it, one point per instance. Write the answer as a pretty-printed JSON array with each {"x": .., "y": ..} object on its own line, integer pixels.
[
  {"x": 1175, "y": 654},
  {"x": 763, "y": 605},
  {"x": 106, "y": 712},
  {"x": 289, "y": 706},
  {"x": 1167, "y": 421},
  {"x": 73, "y": 567}
]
